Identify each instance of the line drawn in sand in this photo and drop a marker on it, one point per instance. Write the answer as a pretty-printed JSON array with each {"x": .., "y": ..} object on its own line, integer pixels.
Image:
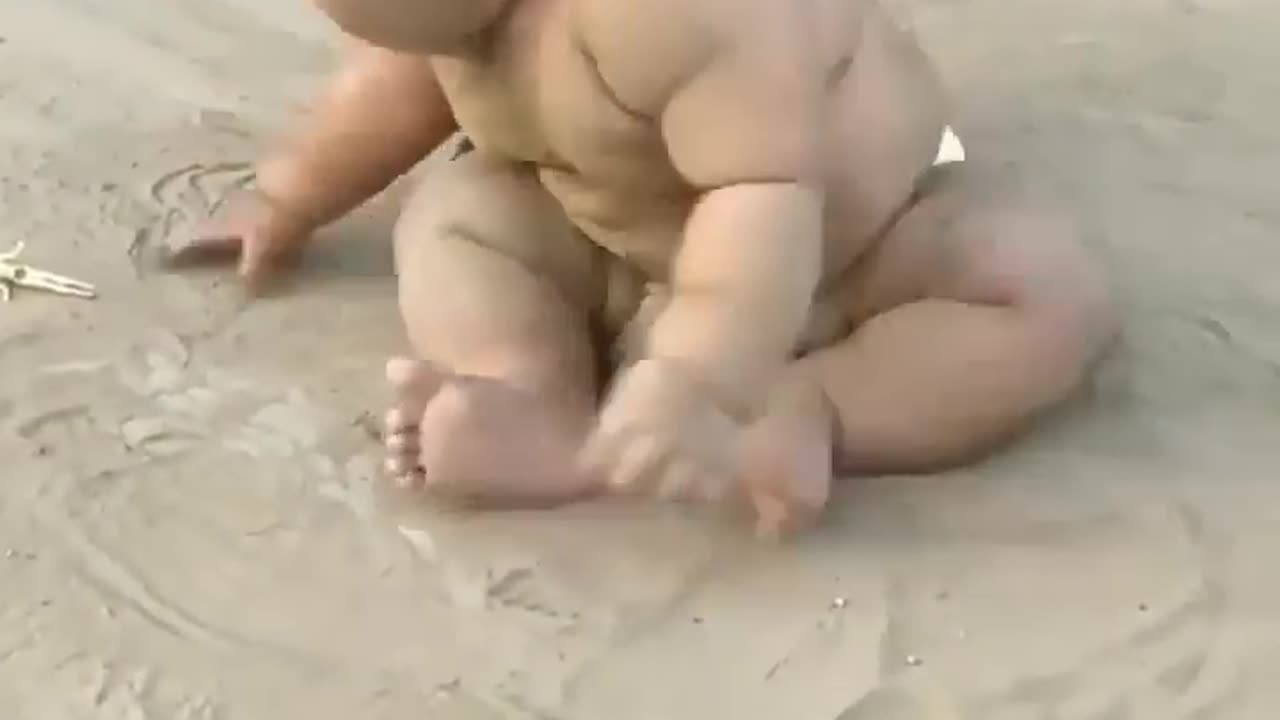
[
  {"x": 182, "y": 199},
  {"x": 1176, "y": 666}
]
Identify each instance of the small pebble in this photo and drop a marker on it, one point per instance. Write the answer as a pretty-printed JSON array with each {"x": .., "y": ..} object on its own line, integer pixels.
[
  {"x": 839, "y": 603},
  {"x": 445, "y": 689},
  {"x": 914, "y": 661},
  {"x": 1143, "y": 607},
  {"x": 369, "y": 425},
  {"x": 697, "y": 621},
  {"x": 10, "y": 553}
]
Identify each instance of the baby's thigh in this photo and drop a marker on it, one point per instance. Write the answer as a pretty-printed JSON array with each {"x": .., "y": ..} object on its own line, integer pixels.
[
  {"x": 476, "y": 207},
  {"x": 494, "y": 281}
]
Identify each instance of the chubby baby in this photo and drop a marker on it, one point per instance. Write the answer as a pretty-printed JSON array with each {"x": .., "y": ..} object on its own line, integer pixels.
[{"x": 700, "y": 250}]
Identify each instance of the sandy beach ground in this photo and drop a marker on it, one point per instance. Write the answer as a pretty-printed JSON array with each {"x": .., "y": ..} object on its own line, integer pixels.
[{"x": 189, "y": 525}]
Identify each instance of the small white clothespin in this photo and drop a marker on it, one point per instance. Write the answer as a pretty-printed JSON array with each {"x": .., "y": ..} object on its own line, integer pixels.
[{"x": 15, "y": 275}]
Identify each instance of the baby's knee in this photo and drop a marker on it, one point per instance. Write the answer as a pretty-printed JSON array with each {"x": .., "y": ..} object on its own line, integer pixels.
[
  {"x": 469, "y": 195},
  {"x": 475, "y": 201},
  {"x": 1056, "y": 280}
]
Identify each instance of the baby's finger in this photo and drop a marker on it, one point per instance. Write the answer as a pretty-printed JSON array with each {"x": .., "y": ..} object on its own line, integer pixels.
[
  {"x": 713, "y": 486},
  {"x": 697, "y": 477},
  {"x": 254, "y": 256},
  {"x": 595, "y": 458},
  {"x": 777, "y": 519},
  {"x": 771, "y": 517},
  {"x": 637, "y": 464},
  {"x": 680, "y": 482},
  {"x": 204, "y": 248},
  {"x": 260, "y": 262}
]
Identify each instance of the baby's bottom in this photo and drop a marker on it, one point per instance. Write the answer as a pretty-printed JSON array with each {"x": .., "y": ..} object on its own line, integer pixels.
[{"x": 971, "y": 315}]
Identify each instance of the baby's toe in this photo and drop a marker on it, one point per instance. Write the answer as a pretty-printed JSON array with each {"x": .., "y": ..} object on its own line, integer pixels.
[
  {"x": 413, "y": 383},
  {"x": 413, "y": 481},
  {"x": 402, "y": 462},
  {"x": 399, "y": 422},
  {"x": 400, "y": 436}
]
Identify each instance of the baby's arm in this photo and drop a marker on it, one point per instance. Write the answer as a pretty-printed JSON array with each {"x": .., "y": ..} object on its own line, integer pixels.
[
  {"x": 740, "y": 107},
  {"x": 382, "y": 114}
]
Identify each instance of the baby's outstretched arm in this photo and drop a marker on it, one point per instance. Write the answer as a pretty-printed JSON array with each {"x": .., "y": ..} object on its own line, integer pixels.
[
  {"x": 382, "y": 114},
  {"x": 745, "y": 128},
  {"x": 742, "y": 286},
  {"x": 741, "y": 112},
  {"x": 739, "y": 99}
]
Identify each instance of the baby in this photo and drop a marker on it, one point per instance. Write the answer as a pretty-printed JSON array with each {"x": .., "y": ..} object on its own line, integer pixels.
[{"x": 695, "y": 249}]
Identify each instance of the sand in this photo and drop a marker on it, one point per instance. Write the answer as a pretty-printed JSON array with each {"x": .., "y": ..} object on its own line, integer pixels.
[{"x": 190, "y": 527}]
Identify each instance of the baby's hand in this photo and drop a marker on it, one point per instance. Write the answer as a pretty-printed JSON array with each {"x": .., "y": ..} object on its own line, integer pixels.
[
  {"x": 259, "y": 235},
  {"x": 662, "y": 432}
]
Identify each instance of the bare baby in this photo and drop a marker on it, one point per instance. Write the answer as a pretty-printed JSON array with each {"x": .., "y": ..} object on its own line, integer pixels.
[{"x": 694, "y": 249}]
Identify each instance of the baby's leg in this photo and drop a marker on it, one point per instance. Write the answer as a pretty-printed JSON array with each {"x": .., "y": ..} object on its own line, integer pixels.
[
  {"x": 974, "y": 314},
  {"x": 495, "y": 287}
]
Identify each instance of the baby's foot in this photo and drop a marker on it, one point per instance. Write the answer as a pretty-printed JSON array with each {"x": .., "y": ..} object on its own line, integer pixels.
[
  {"x": 785, "y": 464},
  {"x": 414, "y": 385},
  {"x": 478, "y": 441}
]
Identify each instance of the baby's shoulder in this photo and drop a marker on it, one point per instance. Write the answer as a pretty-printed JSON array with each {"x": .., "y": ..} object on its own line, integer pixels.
[
  {"x": 642, "y": 50},
  {"x": 646, "y": 50}
]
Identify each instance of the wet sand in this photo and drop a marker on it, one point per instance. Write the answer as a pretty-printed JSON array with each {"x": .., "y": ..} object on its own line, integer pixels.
[{"x": 189, "y": 525}]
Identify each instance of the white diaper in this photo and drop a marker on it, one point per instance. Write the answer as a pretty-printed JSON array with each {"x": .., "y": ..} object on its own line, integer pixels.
[{"x": 950, "y": 149}]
